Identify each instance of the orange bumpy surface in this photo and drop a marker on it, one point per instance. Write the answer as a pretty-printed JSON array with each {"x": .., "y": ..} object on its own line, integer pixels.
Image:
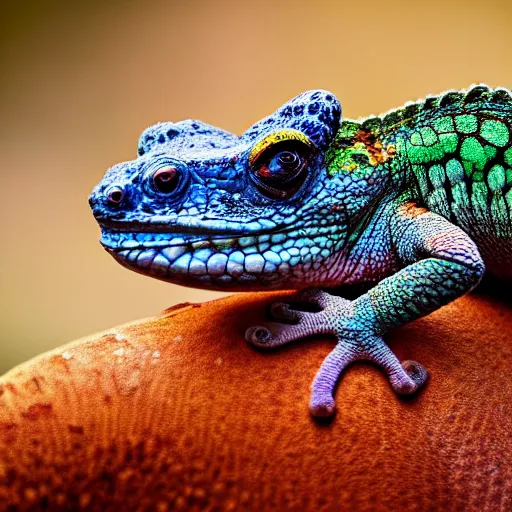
[{"x": 177, "y": 413}]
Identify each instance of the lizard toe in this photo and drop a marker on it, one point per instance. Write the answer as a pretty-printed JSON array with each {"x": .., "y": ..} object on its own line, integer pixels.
[
  {"x": 322, "y": 406},
  {"x": 282, "y": 312},
  {"x": 259, "y": 336},
  {"x": 416, "y": 372}
]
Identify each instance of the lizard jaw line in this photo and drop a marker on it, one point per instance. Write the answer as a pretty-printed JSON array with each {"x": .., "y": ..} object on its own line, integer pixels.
[
  {"x": 120, "y": 242},
  {"x": 209, "y": 261}
]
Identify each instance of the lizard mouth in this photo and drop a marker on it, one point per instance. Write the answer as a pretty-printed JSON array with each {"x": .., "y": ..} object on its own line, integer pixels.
[
  {"x": 225, "y": 260},
  {"x": 118, "y": 241},
  {"x": 195, "y": 260}
]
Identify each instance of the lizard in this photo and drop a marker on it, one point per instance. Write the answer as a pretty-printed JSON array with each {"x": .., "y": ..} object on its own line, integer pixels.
[{"x": 415, "y": 204}]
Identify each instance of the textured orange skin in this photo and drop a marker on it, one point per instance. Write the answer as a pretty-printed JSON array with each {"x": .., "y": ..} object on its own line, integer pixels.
[{"x": 179, "y": 413}]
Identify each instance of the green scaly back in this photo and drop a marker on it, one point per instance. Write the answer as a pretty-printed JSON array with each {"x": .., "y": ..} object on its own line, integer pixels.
[{"x": 454, "y": 152}]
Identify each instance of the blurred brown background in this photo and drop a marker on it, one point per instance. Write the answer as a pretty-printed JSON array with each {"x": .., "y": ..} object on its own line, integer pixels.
[{"x": 80, "y": 80}]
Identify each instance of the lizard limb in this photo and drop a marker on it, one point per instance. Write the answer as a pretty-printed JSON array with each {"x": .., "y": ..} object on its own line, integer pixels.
[{"x": 440, "y": 264}]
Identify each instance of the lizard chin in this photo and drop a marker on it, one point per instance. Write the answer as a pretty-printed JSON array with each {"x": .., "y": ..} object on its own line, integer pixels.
[{"x": 252, "y": 262}]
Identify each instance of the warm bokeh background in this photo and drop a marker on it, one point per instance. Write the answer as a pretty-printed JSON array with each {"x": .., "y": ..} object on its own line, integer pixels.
[{"x": 80, "y": 80}]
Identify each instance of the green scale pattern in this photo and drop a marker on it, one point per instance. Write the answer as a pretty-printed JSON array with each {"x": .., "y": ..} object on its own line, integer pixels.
[
  {"x": 453, "y": 156},
  {"x": 463, "y": 168}
]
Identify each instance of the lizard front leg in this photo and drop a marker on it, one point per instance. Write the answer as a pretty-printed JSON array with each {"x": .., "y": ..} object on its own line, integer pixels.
[{"x": 440, "y": 263}]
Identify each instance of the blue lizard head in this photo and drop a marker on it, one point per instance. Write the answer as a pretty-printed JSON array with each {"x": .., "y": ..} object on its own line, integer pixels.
[{"x": 203, "y": 207}]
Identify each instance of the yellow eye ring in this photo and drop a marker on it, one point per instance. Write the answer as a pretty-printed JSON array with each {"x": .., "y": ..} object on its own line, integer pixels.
[{"x": 287, "y": 134}]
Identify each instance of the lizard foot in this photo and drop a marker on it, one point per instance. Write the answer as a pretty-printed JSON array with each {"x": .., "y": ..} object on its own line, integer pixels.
[{"x": 356, "y": 341}]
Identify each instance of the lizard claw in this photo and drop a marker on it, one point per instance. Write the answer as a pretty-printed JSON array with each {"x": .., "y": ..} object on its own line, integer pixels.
[
  {"x": 258, "y": 336},
  {"x": 416, "y": 372},
  {"x": 282, "y": 312},
  {"x": 356, "y": 341},
  {"x": 322, "y": 406},
  {"x": 315, "y": 297},
  {"x": 273, "y": 334}
]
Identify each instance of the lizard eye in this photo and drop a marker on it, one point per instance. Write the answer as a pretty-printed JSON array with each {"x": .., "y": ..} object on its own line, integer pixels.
[
  {"x": 281, "y": 168},
  {"x": 115, "y": 196},
  {"x": 280, "y": 171},
  {"x": 288, "y": 160},
  {"x": 166, "y": 179}
]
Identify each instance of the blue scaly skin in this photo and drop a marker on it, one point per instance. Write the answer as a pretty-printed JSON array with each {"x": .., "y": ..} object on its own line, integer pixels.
[{"x": 415, "y": 202}]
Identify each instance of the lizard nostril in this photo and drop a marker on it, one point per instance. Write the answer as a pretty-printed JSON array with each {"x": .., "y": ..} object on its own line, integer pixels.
[{"x": 115, "y": 195}]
